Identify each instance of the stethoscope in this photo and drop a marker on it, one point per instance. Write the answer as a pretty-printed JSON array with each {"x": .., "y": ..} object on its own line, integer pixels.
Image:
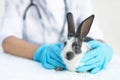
[{"x": 61, "y": 35}]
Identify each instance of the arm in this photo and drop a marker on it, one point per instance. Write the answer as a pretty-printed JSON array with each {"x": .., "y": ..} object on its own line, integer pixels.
[
  {"x": 11, "y": 40},
  {"x": 19, "y": 47},
  {"x": 47, "y": 54}
]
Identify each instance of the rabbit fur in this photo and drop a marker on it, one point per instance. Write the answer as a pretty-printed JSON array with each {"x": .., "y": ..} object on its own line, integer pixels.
[{"x": 75, "y": 47}]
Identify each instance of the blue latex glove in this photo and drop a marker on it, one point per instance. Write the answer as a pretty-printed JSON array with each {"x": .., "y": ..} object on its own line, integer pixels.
[
  {"x": 49, "y": 55},
  {"x": 97, "y": 58}
]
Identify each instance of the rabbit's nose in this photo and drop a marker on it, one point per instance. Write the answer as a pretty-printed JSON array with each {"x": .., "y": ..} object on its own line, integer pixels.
[{"x": 69, "y": 55}]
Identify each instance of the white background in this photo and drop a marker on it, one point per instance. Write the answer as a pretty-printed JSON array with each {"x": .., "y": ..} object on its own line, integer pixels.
[{"x": 108, "y": 14}]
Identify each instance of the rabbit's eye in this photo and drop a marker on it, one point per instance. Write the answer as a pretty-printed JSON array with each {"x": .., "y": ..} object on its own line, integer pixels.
[
  {"x": 65, "y": 43},
  {"x": 76, "y": 46}
]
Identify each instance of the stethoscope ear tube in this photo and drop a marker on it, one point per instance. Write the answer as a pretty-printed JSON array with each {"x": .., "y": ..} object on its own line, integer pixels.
[
  {"x": 61, "y": 34},
  {"x": 30, "y": 5}
]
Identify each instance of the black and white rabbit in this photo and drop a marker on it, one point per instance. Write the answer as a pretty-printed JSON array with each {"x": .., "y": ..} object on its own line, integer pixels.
[{"x": 75, "y": 47}]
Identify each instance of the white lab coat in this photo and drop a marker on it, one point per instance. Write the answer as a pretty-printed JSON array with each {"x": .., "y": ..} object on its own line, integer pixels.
[{"x": 52, "y": 12}]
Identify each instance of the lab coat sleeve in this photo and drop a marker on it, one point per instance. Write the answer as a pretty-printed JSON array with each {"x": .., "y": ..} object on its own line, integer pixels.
[
  {"x": 85, "y": 10},
  {"x": 12, "y": 21}
]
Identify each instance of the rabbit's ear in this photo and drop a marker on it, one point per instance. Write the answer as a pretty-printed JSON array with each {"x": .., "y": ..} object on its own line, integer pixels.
[
  {"x": 71, "y": 26},
  {"x": 84, "y": 27}
]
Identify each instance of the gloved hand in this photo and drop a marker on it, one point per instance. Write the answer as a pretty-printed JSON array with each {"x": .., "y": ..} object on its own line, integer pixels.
[
  {"x": 97, "y": 58},
  {"x": 49, "y": 55}
]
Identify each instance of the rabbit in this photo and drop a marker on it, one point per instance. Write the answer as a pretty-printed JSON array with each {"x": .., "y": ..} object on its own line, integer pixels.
[{"x": 75, "y": 46}]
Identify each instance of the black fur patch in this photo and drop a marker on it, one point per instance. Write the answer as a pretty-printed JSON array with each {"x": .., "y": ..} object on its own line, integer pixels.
[{"x": 76, "y": 46}]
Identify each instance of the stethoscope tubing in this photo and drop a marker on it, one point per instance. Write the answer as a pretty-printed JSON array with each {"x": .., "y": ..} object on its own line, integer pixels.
[{"x": 61, "y": 37}]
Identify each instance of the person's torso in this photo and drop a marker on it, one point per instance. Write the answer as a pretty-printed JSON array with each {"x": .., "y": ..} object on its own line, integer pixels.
[{"x": 46, "y": 29}]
